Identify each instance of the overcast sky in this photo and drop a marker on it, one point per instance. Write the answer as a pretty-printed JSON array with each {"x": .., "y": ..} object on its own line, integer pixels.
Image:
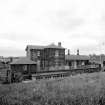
[{"x": 78, "y": 24}]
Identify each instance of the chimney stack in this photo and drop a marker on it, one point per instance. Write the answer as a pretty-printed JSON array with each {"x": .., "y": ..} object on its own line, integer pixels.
[
  {"x": 68, "y": 52},
  {"x": 77, "y": 51},
  {"x": 59, "y": 44}
]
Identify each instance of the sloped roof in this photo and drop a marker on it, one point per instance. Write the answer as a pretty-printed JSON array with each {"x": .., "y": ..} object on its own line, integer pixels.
[
  {"x": 77, "y": 57},
  {"x": 23, "y": 60},
  {"x": 54, "y": 46},
  {"x": 34, "y": 47},
  {"x": 42, "y": 47}
]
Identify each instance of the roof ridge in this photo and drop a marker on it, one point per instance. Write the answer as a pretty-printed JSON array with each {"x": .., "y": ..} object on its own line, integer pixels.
[
  {"x": 34, "y": 45},
  {"x": 53, "y": 45}
]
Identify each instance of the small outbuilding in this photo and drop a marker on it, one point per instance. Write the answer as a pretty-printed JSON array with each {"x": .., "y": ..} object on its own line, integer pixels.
[{"x": 23, "y": 65}]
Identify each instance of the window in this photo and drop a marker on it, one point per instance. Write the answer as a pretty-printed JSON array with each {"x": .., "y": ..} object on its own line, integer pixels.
[
  {"x": 38, "y": 53},
  {"x": 56, "y": 53},
  {"x": 25, "y": 67}
]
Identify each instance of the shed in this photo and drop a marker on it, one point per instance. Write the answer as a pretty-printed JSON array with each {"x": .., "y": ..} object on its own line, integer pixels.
[{"x": 24, "y": 65}]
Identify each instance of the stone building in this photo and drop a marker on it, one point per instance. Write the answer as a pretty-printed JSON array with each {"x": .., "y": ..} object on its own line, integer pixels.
[
  {"x": 24, "y": 66},
  {"x": 76, "y": 61},
  {"x": 98, "y": 59},
  {"x": 46, "y": 56}
]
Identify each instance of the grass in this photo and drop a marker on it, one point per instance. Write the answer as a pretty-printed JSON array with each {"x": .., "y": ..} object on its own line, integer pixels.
[{"x": 84, "y": 89}]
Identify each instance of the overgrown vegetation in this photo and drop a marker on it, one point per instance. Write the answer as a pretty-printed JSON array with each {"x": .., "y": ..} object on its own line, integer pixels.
[{"x": 85, "y": 89}]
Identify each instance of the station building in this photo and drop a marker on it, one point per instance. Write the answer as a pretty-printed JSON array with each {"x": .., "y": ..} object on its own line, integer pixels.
[
  {"x": 46, "y": 56},
  {"x": 77, "y": 61}
]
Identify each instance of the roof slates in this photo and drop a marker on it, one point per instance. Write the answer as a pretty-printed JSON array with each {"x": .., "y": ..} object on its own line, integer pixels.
[
  {"x": 43, "y": 47},
  {"x": 24, "y": 60},
  {"x": 77, "y": 57}
]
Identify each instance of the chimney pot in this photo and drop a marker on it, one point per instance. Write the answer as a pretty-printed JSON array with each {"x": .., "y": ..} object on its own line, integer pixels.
[
  {"x": 78, "y": 52},
  {"x": 59, "y": 44}
]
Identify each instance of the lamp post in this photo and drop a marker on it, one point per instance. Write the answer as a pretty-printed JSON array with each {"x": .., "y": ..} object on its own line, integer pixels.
[{"x": 101, "y": 60}]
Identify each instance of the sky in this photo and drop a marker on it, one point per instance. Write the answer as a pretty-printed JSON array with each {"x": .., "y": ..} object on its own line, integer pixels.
[{"x": 77, "y": 24}]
